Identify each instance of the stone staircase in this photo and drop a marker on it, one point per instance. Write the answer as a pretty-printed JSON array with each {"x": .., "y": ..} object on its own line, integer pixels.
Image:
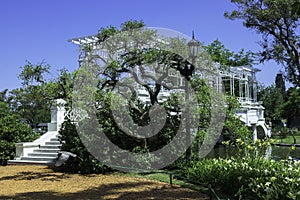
[
  {"x": 44, "y": 154},
  {"x": 43, "y": 150}
]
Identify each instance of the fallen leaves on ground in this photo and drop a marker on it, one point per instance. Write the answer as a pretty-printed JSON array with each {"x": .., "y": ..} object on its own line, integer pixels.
[{"x": 41, "y": 182}]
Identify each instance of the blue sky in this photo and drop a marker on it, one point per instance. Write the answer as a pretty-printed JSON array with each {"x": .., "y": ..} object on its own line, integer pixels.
[{"x": 37, "y": 30}]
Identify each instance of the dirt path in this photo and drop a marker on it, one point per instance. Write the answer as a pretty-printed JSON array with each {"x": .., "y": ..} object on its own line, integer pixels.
[{"x": 40, "y": 182}]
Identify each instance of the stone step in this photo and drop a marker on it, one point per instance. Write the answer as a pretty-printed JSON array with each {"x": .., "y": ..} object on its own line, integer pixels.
[
  {"x": 50, "y": 146},
  {"x": 53, "y": 143},
  {"x": 43, "y": 154},
  {"x": 28, "y": 162},
  {"x": 54, "y": 140},
  {"x": 35, "y": 158},
  {"x": 46, "y": 150}
]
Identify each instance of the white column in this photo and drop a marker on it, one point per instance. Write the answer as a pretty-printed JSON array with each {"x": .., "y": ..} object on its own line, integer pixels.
[
  {"x": 57, "y": 115},
  {"x": 254, "y": 127}
]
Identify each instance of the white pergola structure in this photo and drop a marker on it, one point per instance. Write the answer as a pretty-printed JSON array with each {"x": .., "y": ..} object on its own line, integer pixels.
[{"x": 243, "y": 84}]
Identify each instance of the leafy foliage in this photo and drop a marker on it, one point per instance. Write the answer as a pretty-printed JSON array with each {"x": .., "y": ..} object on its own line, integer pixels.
[
  {"x": 11, "y": 131},
  {"x": 277, "y": 21},
  {"x": 33, "y": 100},
  {"x": 32, "y": 74},
  {"x": 84, "y": 162},
  {"x": 227, "y": 58},
  {"x": 273, "y": 102},
  {"x": 30, "y": 104},
  {"x": 280, "y": 84},
  {"x": 292, "y": 105},
  {"x": 162, "y": 62},
  {"x": 248, "y": 178},
  {"x": 234, "y": 128}
]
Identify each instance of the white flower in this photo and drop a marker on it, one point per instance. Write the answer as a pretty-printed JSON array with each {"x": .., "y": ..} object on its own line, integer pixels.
[
  {"x": 288, "y": 179},
  {"x": 273, "y": 178}
]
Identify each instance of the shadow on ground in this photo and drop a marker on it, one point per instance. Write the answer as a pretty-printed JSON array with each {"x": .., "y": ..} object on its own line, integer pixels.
[
  {"x": 31, "y": 182},
  {"x": 115, "y": 191},
  {"x": 46, "y": 176}
]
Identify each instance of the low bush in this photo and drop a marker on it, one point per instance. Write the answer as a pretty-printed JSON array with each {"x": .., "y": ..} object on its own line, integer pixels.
[
  {"x": 84, "y": 162},
  {"x": 248, "y": 178},
  {"x": 11, "y": 132}
]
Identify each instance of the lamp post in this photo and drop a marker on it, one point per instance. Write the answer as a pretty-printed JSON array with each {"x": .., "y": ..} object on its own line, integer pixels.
[
  {"x": 193, "y": 53},
  {"x": 193, "y": 48}
]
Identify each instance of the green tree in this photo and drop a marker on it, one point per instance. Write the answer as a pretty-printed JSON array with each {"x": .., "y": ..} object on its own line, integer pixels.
[
  {"x": 84, "y": 163},
  {"x": 28, "y": 101},
  {"x": 12, "y": 131},
  {"x": 33, "y": 74},
  {"x": 33, "y": 100},
  {"x": 145, "y": 60},
  {"x": 273, "y": 102},
  {"x": 30, "y": 104},
  {"x": 280, "y": 84},
  {"x": 21, "y": 108},
  {"x": 277, "y": 22},
  {"x": 227, "y": 58},
  {"x": 234, "y": 128},
  {"x": 142, "y": 61},
  {"x": 292, "y": 105}
]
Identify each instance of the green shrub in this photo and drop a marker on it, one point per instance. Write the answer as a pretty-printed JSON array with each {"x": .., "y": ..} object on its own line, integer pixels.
[
  {"x": 84, "y": 162},
  {"x": 11, "y": 132},
  {"x": 248, "y": 178},
  {"x": 6, "y": 151}
]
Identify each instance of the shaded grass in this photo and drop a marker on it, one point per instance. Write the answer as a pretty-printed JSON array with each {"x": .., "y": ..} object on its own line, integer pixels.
[
  {"x": 288, "y": 140},
  {"x": 164, "y": 176}
]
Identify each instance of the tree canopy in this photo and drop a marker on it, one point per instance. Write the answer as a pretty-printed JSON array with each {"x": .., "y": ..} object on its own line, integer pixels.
[
  {"x": 277, "y": 21},
  {"x": 227, "y": 58}
]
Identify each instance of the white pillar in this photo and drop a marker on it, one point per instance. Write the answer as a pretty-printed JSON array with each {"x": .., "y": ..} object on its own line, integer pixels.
[
  {"x": 254, "y": 127},
  {"x": 57, "y": 115}
]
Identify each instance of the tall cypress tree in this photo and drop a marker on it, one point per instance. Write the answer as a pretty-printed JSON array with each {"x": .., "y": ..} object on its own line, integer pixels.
[{"x": 280, "y": 84}]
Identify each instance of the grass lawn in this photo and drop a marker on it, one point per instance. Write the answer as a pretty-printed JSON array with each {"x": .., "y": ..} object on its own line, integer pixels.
[
  {"x": 164, "y": 177},
  {"x": 288, "y": 140}
]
